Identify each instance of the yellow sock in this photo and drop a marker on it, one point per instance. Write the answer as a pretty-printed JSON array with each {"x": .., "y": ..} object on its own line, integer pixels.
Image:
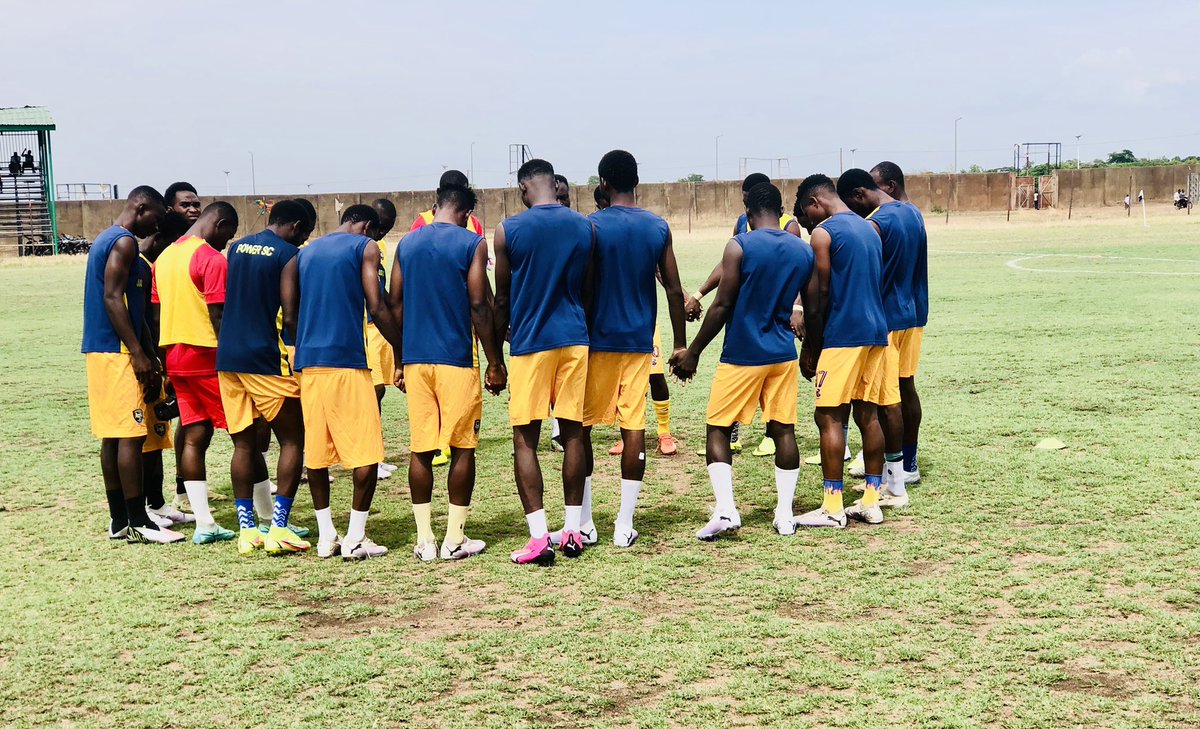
[
  {"x": 662, "y": 411},
  {"x": 456, "y": 522},
  {"x": 423, "y": 514},
  {"x": 833, "y": 496},
  {"x": 871, "y": 492}
]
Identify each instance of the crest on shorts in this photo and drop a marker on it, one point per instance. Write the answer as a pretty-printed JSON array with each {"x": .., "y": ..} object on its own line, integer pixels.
[
  {"x": 160, "y": 429},
  {"x": 139, "y": 415},
  {"x": 476, "y": 427}
]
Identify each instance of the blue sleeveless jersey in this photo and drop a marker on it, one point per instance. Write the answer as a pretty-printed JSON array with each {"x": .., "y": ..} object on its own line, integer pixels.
[
  {"x": 903, "y": 237},
  {"x": 921, "y": 274},
  {"x": 98, "y": 332},
  {"x": 249, "y": 341},
  {"x": 855, "y": 317},
  {"x": 776, "y": 265},
  {"x": 434, "y": 261},
  {"x": 629, "y": 245},
  {"x": 548, "y": 249},
  {"x": 329, "y": 327}
]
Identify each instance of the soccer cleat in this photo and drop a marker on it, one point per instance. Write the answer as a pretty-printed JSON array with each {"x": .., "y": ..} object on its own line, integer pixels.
[
  {"x": 572, "y": 544},
  {"x": 624, "y": 537},
  {"x": 249, "y": 540},
  {"x": 283, "y": 540},
  {"x": 212, "y": 534},
  {"x": 468, "y": 548},
  {"x": 911, "y": 477},
  {"x": 388, "y": 467},
  {"x": 735, "y": 438},
  {"x": 159, "y": 521},
  {"x": 785, "y": 524},
  {"x": 426, "y": 551},
  {"x": 667, "y": 445},
  {"x": 169, "y": 511},
  {"x": 821, "y": 518},
  {"x": 765, "y": 448},
  {"x": 182, "y": 502},
  {"x": 587, "y": 531},
  {"x": 300, "y": 531},
  {"x": 217, "y": 496},
  {"x": 888, "y": 500},
  {"x": 816, "y": 460},
  {"x": 858, "y": 469},
  {"x": 556, "y": 444},
  {"x": 381, "y": 472},
  {"x": 536, "y": 551},
  {"x": 865, "y": 514},
  {"x": 366, "y": 549},
  {"x": 332, "y": 548},
  {"x": 147, "y": 535},
  {"x": 718, "y": 525},
  {"x": 617, "y": 449},
  {"x": 442, "y": 458},
  {"x": 122, "y": 533}
]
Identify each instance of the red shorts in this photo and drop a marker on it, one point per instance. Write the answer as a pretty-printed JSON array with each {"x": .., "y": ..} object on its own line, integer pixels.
[{"x": 199, "y": 399}]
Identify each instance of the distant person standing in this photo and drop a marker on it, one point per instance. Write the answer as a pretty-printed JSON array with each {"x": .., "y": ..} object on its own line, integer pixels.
[
  {"x": 1037, "y": 200},
  {"x": 1127, "y": 202}
]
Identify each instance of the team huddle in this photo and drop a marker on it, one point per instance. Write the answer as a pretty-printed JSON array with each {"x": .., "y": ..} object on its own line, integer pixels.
[{"x": 276, "y": 334}]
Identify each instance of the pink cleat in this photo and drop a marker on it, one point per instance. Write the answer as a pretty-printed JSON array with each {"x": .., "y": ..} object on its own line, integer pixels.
[{"x": 537, "y": 551}]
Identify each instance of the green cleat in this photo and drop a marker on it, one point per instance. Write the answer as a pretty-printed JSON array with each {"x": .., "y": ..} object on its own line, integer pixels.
[{"x": 212, "y": 534}]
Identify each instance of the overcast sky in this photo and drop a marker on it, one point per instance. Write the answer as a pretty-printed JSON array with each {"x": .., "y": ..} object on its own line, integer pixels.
[{"x": 358, "y": 96}]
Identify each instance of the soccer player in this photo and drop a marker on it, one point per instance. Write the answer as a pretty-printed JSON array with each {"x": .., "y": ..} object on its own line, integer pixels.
[
  {"x": 337, "y": 279},
  {"x": 693, "y": 307},
  {"x": 256, "y": 380},
  {"x": 542, "y": 257},
  {"x": 182, "y": 199},
  {"x": 119, "y": 367},
  {"x": 562, "y": 190},
  {"x": 763, "y": 272},
  {"x": 902, "y": 230},
  {"x": 449, "y": 177},
  {"x": 844, "y": 346},
  {"x": 632, "y": 246},
  {"x": 380, "y": 358},
  {"x": 188, "y": 297},
  {"x": 439, "y": 293},
  {"x": 890, "y": 179}
]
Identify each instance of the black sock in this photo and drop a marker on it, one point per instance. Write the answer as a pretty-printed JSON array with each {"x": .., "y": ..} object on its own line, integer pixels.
[
  {"x": 116, "y": 510},
  {"x": 152, "y": 487},
  {"x": 179, "y": 489},
  {"x": 136, "y": 509}
]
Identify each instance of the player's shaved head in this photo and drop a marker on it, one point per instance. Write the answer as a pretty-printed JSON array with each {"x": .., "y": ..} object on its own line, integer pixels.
[
  {"x": 533, "y": 169},
  {"x": 536, "y": 181},
  {"x": 146, "y": 194},
  {"x": 386, "y": 211},
  {"x": 312, "y": 212},
  {"x": 618, "y": 169},
  {"x": 764, "y": 198},
  {"x": 287, "y": 212},
  {"x": 217, "y": 224},
  {"x": 360, "y": 220},
  {"x": 813, "y": 186},
  {"x": 817, "y": 199},
  {"x": 752, "y": 179},
  {"x": 886, "y": 172},
  {"x": 852, "y": 179},
  {"x": 144, "y": 210},
  {"x": 456, "y": 197},
  {"x": 858, "y": 190},
  {"x": 453, "y": 177}
]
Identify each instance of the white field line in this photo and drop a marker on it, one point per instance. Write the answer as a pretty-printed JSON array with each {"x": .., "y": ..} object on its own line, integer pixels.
[{"x": 1021, "y": 257}]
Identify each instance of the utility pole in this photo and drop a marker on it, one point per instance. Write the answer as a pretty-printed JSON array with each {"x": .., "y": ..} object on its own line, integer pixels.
[
  {"x": 852, "y": 151},
  {"x": 253, "y": 182},
  {"x": 227, "y": 183},
  {"x": 956, "y": 121},
  {"x": 1077, "y": 159},
  {"x": 717, "y": 158},
  {"x": 841, "y": 167},
  {"x": 472, "y": 164}
]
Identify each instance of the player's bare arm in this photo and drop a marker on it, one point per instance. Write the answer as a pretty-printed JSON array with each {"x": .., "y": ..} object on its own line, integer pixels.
[
  {"x": 116, "y": 273},
  {"x": 289, "y": 295},
  {"x": 683, "y": 364},
  {"x": 482, "y": 318},
  {"x": 503, "y": 284},
  {"x": 396, "y": 303},
  {"x": 376, "y": 304},
  {"x": 817, "y": 301},
  {"x": 668, "y": 276}
]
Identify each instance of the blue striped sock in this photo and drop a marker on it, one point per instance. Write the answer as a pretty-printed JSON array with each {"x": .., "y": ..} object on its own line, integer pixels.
[
  {"x": 910, "y": 457},
  {"x": 245, "y": 512},
  {"x": 282, "y": 511}
]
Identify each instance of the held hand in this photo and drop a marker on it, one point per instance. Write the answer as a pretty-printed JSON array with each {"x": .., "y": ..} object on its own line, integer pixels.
[
  {"x": 692, "y": 308},
  {"x": 399, "y": 381},
  {"x": 798, "y": 324},
  {"x": 808, "y": 364},
  {"x": 143, "y": 368},
  {"x": 683, "y": 364},
  {"x": 495, "y": 379}
]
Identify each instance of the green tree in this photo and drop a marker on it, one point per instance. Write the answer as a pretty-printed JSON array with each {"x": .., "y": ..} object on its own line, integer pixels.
[
  {"x": 694, "y": 177},
  {"x": 1124, "y": 157},
  {"x": 593, "y": 179}
]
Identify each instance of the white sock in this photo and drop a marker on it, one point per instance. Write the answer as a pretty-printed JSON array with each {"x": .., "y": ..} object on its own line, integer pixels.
[
  {"x": 554, "y": 427},
  {"x": 357, "y": 530},
  {"x": 585, "y": 517},
  {"x": 894, "y": 483},
  {"x": 629, "y": 496},
  {"x": 721, "y": 475},
  {"x": 571, "y": 520},
  {"x": 325, "y": 529},
  {"x": 264, "y": 507},
  {"x": 537, "y": 523},
  {"x": 197, "y": 493},
  {"x": 785, "y": 489}
]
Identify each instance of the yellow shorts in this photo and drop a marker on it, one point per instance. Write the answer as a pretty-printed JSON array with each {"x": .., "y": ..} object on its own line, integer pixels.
[
  {"x": 849, "y": 373},
  {"x": 617, "y": 383},
  {"x": 115, "y": 397},
  {"x": 444, "y": 406},
  {"x": 158, "y": 433},
  {"x": 381, "y": 358},
  {"x": 656, "y": 358},
  {"x": 908, "y": 342},
  {"x": 555, "y": 378},
  {"x": 291, "y": 356},
  {"x": 738, "y": 390},
  {"x": 246, "y": 397},
  {"x": 889, "y": 384},
  {"x": 341, "y": 418}
]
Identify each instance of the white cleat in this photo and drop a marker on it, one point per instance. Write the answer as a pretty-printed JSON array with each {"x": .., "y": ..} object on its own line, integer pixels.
[
  {"x": 426, "y": 551},
  {"x": 858, "y": 469},
  {"x": 784, "y": 524},
  {"x": 182, "y": 502},
  {"x": 168, "y": 511},
  {"x": 159, "y": 521},
  {"x": 122, "y": 533},
  {"x": 468, "y": 548},
  {"x": 366, "y": 549},
  {"x": 587, "y": 531},
  {"x": 623, "y": 536},
  {"x": 911, "y": 477},
  {"x": 718, "y": 525},
  {"x": 146, "y": 535},
  {"x": 821, "y": 518},
  {"x": 382, "y": 472},
  {"x": 325, "y": 550},
  {"x": 867, "y": 514},
  {"x": 388, "y": 467},
  {"x": 888, "y": 500}
]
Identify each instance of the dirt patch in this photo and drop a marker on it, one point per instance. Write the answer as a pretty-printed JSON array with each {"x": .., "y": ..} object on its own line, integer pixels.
[
  {"x": 928, "y": 568},
  {"x": 1112, "y": 685},
  {"x": 1032, "y": 559}
]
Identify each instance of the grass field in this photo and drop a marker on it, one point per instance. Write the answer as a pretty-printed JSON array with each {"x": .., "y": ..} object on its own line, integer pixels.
[{"x": 1022, "y": 588}]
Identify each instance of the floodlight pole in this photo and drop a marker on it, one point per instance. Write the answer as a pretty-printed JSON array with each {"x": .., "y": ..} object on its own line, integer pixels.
[
  {"x": 956, "y": 121},
  {"x": 1077, "y": 159},
  {"x": 226, "y": 182},
  {"x": 253, "y": 182},
  {"x": 717, "y": 157},
  {"x": 852, "y": 151}
]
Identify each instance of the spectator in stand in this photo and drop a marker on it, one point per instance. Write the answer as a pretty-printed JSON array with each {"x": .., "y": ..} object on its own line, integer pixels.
[
  {"x": 14, "y": 164},
  {"x": 28, "y": 160}
]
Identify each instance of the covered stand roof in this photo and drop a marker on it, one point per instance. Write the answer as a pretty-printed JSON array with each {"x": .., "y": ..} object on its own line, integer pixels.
[{"x": 26, "y": 119}]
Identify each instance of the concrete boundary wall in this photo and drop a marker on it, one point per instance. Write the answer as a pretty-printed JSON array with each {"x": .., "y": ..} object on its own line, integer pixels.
[{"x": 704, "y": 203}]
